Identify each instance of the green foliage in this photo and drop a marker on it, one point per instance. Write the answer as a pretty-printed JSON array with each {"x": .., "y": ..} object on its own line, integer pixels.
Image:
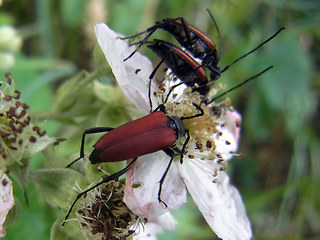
[
  {"x": 67, "y": 83},
  {"x": 49, "y": 182}
]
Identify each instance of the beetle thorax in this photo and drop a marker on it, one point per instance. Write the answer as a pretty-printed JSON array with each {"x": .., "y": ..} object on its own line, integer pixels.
[{"x": 177, "y": 125}]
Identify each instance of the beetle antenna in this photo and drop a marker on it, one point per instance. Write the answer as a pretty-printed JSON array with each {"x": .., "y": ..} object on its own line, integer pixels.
[
  {"x": 215, "y": 24},
  {"x": 240, "y": 84},
  {"x": 105, "y": 180},
  {"x": 260, "y": 45}
]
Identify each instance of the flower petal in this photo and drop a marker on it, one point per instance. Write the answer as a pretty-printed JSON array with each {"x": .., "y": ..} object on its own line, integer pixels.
[
  {"x": 227, "y": 140},
  {"x": 155, "y": 226},
  {"x": 133, "y": 74},
  {"x": 149, "y": 232},
  {"x": 166, "y": 221},
  {"x": 220, "y": 203},
  {"x": 6, "y": 200},
  {"x": 142, "y": 186}
]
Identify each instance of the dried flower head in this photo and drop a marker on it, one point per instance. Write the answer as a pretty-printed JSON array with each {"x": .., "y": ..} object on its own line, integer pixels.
[
  {"x": 19, "y": 138},
  {"x": 103, "y": 215}
]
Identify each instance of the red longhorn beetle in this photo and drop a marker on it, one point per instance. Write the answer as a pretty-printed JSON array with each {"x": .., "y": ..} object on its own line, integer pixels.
[
  {"x": 154, "y": 132},
  {"x": 197, "y": 43},
  {"x": 191, "y": 38},
  {"x": 187, "y": 69}
]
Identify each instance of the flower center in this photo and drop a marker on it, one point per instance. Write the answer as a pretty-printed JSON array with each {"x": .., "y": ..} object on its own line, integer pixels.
[{"x": 202, "y": 129}]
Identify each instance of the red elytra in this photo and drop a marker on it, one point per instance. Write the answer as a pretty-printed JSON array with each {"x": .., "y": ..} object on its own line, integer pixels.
[
  {"x": 199, "y": 36},
  {"x": 183, "y": 66},
  {"x": 154, "y": 132},
  {"x": 194, "y": 41},
  {"x": 190, "y": 37},
  {"x": 148, "y": 134},
  {"x": 163, "y": 48}
]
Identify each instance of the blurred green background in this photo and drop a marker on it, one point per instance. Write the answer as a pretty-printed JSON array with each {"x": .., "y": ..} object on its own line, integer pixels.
[{"x": 278, "y": 175}]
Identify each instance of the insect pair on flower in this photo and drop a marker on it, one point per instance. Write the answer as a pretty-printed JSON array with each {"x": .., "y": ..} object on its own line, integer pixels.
[{"x": 204, "y": 135}]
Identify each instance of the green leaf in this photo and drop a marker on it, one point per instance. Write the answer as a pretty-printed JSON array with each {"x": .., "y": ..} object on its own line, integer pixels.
[
  {"x": 291, "y": 75},
  {"x": 69, "y": 231},
  {"x": 287, "y": 88},
  {"x": 73, "y": 12},
  {"x": 108, "y": 94},
  {"x": 20, "y": 174},
  {"x": 56, "y": 185}
]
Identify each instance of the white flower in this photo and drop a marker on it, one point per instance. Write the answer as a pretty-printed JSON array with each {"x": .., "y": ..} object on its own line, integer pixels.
[
  {"x": 6, "y": 200},
  {"x": 214, "y": 140}
]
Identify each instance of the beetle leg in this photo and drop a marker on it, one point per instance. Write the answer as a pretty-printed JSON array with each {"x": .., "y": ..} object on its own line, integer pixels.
[
  {"x": 105, "y": 180},
  {"x": 88, "y": 131},
  {"x": 149, "y": 32},
  {"x": 186, "y": 29},
  {"x": 150, "y": 80},
  {"x": 184, "y": 146},
  {"x": 196, "y": 115},
  {"x": 141, "y": 42},
  {"x": 171, "y": 154}
]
